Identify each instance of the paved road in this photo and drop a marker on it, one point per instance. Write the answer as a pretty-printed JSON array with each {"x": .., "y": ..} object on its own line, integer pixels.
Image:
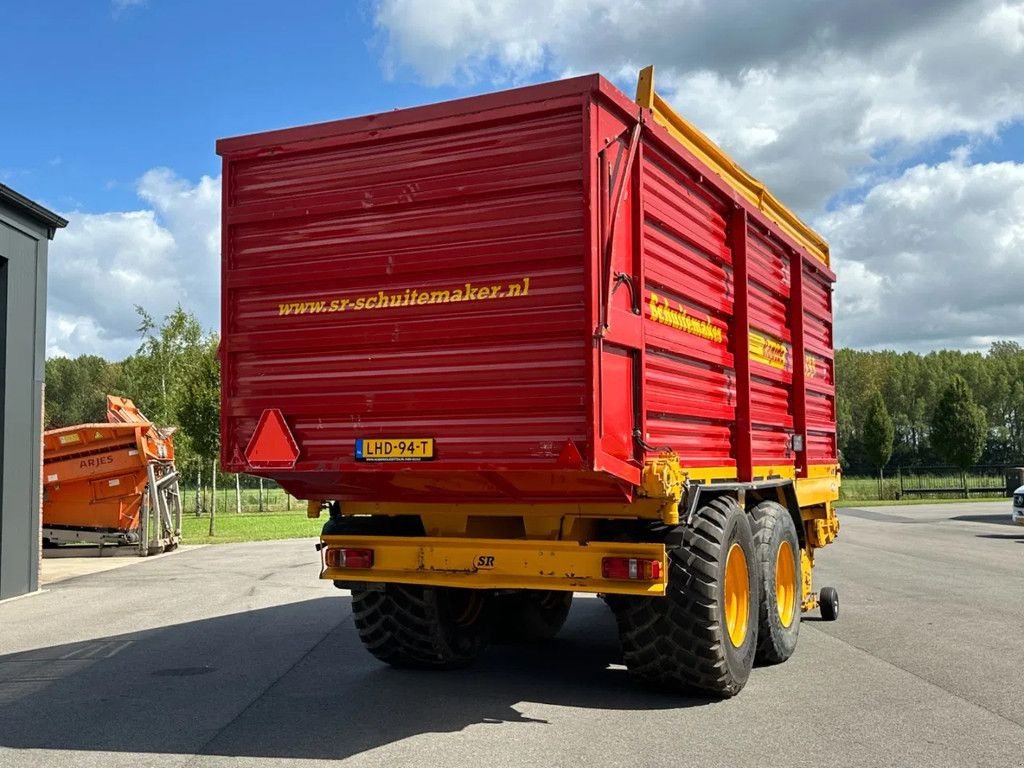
[{"x": 236, "y": 656}]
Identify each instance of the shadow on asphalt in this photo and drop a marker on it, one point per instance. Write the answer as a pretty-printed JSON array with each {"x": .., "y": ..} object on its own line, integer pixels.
[
  {"x": 875, "y": 515},
  {"x": 159, "y": 691},
  {"x": 999, "y": 518}
]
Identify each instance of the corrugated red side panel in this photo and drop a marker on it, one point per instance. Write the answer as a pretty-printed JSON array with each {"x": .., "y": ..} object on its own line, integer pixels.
[
  {"x": 692, "y": 389},
  {"x": 689, "y": 394},
  {"x": 820, "y": 358}
]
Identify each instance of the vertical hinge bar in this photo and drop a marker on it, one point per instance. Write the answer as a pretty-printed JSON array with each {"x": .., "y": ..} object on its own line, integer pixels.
[
  {"x": 796, "y": 329},
  {"x": 639, "y": 361},
  {"x": 619, "y": 192},
  {"x": 741, "y": 345}
]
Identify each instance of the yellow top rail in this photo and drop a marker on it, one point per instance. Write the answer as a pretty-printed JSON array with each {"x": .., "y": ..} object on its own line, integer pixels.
[{"x": 715, "y": 158}]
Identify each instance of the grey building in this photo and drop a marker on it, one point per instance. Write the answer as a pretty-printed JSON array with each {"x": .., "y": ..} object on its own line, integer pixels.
[{"x": 25, "y": 231}]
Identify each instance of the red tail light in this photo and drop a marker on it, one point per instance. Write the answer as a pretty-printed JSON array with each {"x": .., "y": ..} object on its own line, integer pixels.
[
  {"x": 630, "y": 568},
  {"x": 347, "y": 557}
]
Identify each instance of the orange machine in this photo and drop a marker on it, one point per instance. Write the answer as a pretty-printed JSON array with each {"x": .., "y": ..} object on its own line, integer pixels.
[{"x": 111, "y": 484}]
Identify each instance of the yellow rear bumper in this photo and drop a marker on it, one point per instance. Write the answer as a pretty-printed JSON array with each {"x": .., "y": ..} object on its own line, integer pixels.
[{"x": 496, "y": 563}]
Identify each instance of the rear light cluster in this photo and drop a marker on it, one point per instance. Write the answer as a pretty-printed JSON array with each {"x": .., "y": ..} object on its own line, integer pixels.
[
  {"x": 348, "y": 557},
  {"x": 630, "y": 568}
]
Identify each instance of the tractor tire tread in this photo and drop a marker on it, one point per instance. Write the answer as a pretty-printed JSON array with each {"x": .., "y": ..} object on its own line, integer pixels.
[
  {"x": 775, "y": 643},
  {"x": 676, "y": 641},
  {"x": 401, "y": 624}
]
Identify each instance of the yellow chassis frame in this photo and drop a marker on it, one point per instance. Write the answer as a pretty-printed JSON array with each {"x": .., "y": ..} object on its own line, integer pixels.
[
  {"x": 496, "y": 563},
  {"x": 566, "y": 563}
]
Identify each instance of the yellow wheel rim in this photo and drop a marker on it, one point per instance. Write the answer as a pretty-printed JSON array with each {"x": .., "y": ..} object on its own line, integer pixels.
[
  {"x": 737, "y": 595},
  {"x": 785, "y": 584}
]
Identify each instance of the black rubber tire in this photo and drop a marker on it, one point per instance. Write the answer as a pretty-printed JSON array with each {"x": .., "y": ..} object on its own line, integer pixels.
[
  {"x": 772, "y": 526},
  {"x": 680, "y": 641},
  {"x": 828, "y": 602},
  {"x": 529, "y": 616},
  {"x": 421, "y": 627},
  {"x": 399, "y": 525},
  {"x": 406, "y": 625}
]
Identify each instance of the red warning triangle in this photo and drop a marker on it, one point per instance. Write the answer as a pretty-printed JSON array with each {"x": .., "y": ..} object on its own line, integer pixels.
[
  {"x": 570, "y": 455},
  {"x": 272, "y": 445}
]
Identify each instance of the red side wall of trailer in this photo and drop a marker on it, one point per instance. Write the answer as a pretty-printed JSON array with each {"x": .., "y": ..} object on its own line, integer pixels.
[{"x": 543, "y": 281}]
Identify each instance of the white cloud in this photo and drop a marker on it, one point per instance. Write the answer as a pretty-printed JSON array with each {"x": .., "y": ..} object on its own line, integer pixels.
[
  {"x": 103, "y": 264},
  {"x": 933, "y": 258},
  {"x": 806, "y": 93},
  {"x": 118, "y": 7},
  {"x": 824, "y": 102}
]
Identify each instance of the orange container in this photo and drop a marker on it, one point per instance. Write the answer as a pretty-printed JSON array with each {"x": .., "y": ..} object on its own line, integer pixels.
[{"x": 95, "y": 475}]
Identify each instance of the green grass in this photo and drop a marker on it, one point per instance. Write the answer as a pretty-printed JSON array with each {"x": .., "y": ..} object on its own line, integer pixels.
[
  {"x": 912, "y": 502},
  {"x": 232, "y": 528},
  {"x": 278, "y": 523}
]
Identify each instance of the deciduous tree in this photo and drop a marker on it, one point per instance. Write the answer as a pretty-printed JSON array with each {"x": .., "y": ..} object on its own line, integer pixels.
[
  {"x": 878, "y": 434},
  {"x": 959, "y": 426}
]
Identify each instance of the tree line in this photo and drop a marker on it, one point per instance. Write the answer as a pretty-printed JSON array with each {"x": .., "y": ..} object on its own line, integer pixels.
[
  {"x": 893, "y": 409},
  {"x": 945, "y": 408}
]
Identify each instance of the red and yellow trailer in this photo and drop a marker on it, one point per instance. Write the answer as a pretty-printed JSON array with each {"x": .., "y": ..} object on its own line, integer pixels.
[
  {"x": 529, "y": 343},
  {"x": 113, "y": 484}
]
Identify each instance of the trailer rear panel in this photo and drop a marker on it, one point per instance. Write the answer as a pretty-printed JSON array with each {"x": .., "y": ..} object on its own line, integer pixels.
[{"x": 525, "y": 295}]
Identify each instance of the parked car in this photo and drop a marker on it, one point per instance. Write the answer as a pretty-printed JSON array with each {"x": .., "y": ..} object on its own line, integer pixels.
[{"x": 1017, "y": 512}]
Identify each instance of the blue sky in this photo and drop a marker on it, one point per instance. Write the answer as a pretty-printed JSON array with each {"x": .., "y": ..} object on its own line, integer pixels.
[
  {"x": 116, "y": 90},
  {"x": 896, "y": 129}
]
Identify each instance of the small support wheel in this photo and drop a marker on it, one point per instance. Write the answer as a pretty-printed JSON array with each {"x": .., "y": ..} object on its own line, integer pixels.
[{"x": 828, "y": 601}]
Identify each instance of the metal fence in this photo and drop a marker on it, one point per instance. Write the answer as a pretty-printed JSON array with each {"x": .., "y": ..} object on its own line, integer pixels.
[
  {"x": 932, "y": 483},
  {"x": 939, "y": 482},
  {"x": 234, "y": 493}
]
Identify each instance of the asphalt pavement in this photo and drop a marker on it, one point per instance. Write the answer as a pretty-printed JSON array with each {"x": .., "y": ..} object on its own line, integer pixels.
[{"x": 237, "y": 656}]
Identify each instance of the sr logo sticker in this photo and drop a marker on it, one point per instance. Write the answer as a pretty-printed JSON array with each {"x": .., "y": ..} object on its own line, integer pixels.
[{"x": 485, "y": 562}]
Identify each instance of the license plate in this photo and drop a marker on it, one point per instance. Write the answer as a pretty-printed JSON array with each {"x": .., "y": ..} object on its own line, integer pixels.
[{"x": 395, "y": 449}]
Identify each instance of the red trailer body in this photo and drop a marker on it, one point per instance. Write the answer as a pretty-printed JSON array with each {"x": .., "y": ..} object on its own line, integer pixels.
[
  {"x": 543, "y": 282},
  {"x": 525, "y": 344}
]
